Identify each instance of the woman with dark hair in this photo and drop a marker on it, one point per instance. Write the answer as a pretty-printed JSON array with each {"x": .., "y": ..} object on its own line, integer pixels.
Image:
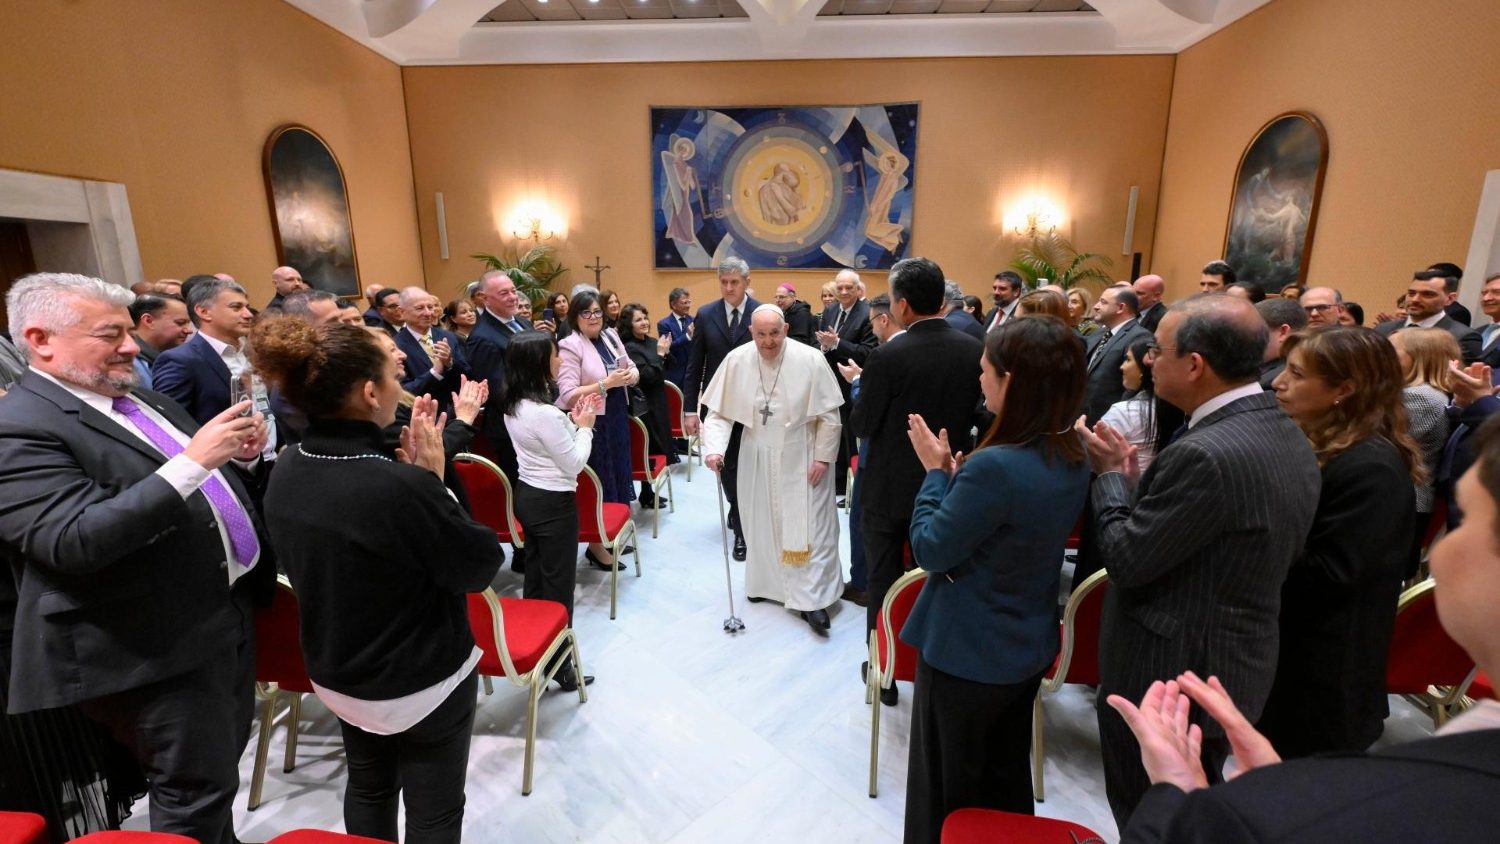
[
  {"x": 1145, "y": 421},
  {"x": 1353, "y": 315},
  {"x": 991, "y": 530},
  {"x": 974, "y": 306},
  {"x": 385, "y": 625},
  {"x": 551, "y": 449},
  {"x": 1044, "y": 303},
  {"x": 1343, "y": 388},
  {"x": 558, "y": 302},
  {"x": 459, "y": 317},
  {"x": 612, "y": 308},
  {"x": 651, "y": 356},
  {"x": 594, "y": 361}
]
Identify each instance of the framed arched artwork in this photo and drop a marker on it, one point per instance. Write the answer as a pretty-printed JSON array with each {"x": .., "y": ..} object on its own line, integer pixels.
[
  {"x": 310, "y": 210},
  {"x": 1274, "y": 209}
]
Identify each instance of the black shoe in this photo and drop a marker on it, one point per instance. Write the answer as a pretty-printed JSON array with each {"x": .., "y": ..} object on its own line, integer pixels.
[
  {"x": 887, "y": 696},
  {"x": 600, "y": 564},
  {"x": 739, "y": 547},
  {"x": 855, "y": 596},
  {"x": 817, "y": 620},
  {"x": 734, "y": 522},
  {"x": 567, "y": 679},
  {"x": 628, "y": 549},
  {"x": 754, "y": 600},
  {"x": 658, "y": 503},
  {"x": 841, "y": 502},
  {"x": 518, "y": 561}
]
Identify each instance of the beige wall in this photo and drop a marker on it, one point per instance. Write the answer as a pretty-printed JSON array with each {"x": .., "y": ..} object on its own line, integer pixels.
[
  {"x": 1407, "y": 92},
  {"x": 175, "y": 99},
  {"x": 1080, "y": 130}
]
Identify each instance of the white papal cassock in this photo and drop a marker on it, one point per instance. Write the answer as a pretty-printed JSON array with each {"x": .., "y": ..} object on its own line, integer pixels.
[{"x": 791, "y": 528}]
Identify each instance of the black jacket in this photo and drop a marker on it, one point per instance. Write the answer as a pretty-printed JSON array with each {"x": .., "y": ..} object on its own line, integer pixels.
[
  {"x": 653, "y": 368},
  {"x": 381, "y": 557},
  {"x": 801, "y": 325},
  {"x": 711, "y": 342}
]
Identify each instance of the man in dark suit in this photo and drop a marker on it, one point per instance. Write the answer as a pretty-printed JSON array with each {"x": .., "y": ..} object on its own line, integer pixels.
[
  {"x": 136, "y": 553},
  {"x": 197, "y": 373},
  {"x": 161, "y": 323},
  {"x": 677, "y": 324},
  {"x": 386, "y": 312},
  {"x": 931, "y": 370},
  {"x": 1005, "y": 291},
  {"x": 286, "y": 280},
  {"x": 955, "y": 314},
  {"x": 1435, "y": 789},
  {"x": 719, "y": 327},
  {"x": 1148, "y": 292},
  {"x": 1116, "y": 312},
  {"x": 1282, "y": 316},
  {"x": 1489, "y": 305},
  {"x": 845, "y": 337},
  {"x": 1197, "y": 554},
  {"x": 434, "y": 356},
  {"x": 1426, "y": 297},
  {"x": 1453, "y": 276}
]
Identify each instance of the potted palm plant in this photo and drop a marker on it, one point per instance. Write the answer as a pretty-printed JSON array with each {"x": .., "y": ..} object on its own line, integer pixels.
[
  {"x": 1051, "y": 259},
  {"x": 533, "y": 271}
]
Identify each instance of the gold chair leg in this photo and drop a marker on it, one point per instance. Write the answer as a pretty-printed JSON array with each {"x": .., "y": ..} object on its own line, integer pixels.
[
  {"x": 874, "y": 694},
  {"x": 614, "y": 579},
  {"x": 489, "y": 688},
  {"x": 262, "y": 749},
  {"x": 635, "y": 540},
  {"x": 537, "y": 679},
  {"x": 1038, "y": 786},
  {"x": 293, "y": 720},
  {"x": 671, "y": 496},
  {"x": 583, "y": 688},
  {"x": 656, "y": 513}
]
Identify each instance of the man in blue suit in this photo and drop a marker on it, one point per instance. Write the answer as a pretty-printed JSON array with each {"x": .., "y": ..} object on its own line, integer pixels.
[
  {"x": 679, "y": 326},
  {"x": 499, "y": 320},
  {"x": 434, "y": 357},
  {"x": 719, "y": 327}
]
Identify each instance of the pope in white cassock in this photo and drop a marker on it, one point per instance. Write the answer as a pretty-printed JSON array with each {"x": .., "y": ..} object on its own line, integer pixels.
[{"x": 786, "y": 398}]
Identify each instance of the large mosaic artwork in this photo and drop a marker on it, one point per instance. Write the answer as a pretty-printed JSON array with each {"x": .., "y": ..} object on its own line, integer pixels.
[{"x": 789, "y": 188}]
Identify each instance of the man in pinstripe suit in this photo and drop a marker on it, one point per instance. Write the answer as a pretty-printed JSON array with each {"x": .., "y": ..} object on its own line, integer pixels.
[{"x": 1198, "y": 551}]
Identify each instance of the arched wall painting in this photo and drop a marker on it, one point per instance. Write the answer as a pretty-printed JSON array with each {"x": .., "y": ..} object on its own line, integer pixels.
[
  {"x": 1275, "y": 205},
  {"x": 787, "y": 188},
  {"x": 310, "y": 210}
]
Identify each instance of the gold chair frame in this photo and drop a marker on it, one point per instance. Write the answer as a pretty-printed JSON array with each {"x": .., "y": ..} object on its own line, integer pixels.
[
  {"x": 874, "y": 681},
  {"x": 628, "y": 532},
  {"x": 516, "y": 538},
  {"x": 1050, "y": 685},
  {"x": 268, "y": 695},
  {"x": 664, "y": 479},
  {"x": 693, "y": 441},
  {"x": 535, "y": 680},
  {"x": 1440, "y": 702}
]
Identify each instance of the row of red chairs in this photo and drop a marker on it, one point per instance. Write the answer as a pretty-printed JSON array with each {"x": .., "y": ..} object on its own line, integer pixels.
[
  {"x": 1424, "y": 664},
  {"x": 27, "y": 828}
]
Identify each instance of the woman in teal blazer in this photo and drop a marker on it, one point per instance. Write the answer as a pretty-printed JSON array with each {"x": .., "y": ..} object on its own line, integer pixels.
[{"x": 991, "y": 530}]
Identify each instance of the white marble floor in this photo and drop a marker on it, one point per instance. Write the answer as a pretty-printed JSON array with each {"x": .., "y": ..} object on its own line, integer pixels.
[{"x": 689, "y": 735}]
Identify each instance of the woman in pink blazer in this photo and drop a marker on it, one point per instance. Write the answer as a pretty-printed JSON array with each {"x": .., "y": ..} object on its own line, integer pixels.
[{"x": 594, "y": 360}]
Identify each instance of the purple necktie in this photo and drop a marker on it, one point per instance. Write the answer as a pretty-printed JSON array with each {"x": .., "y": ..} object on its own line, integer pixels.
[{"x": 241, "y": 532}]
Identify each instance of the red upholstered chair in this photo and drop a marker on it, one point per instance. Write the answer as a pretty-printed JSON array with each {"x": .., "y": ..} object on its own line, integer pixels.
[
  {"x": 678, "y": 415},
  {"x": 321, "y": 836},
  {"x": 1075, "y": 536},
  {"x": 651, "y": 468},
  {"x": 124, "y": 836},
  {"x": 519, "y": 637},
  {"x": 853, "y": 470},
  {"x": 890, "y": 658},
  {"x": 989, "y": 826},
  {"x": 1424, "y": 664},
  {"x": 1481, "y": 688},
  {"x": 608, "y": 524},
  {"x": 22, "y": 828},
  {"x": 279, "y": 670},
  {"x": 490, "y": 497},
  {"x": 1077, "y": 661},
  {"x": 1437, "y": 526}
]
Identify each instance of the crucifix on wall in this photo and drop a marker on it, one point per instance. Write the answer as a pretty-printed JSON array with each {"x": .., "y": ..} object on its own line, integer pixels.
[{"x": 598, "y": 267}]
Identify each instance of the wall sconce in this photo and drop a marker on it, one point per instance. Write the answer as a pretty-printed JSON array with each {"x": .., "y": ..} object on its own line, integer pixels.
[
  {"x": 1038, "y": 222},
  {"x": 532, "y": 228},
  {"x": 536, "y": 222}
]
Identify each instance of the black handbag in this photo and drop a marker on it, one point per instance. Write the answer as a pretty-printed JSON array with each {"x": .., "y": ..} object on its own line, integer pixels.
[{"x": 638, "y": 404}]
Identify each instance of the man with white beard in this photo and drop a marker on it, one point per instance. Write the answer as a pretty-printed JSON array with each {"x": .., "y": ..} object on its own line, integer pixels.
[{"x": 786, "y": 398}]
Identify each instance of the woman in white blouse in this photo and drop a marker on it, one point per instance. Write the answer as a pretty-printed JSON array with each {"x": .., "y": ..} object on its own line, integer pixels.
[
  {"x": 551, "y": 449},
  {"x": 1148, "y": 424}
]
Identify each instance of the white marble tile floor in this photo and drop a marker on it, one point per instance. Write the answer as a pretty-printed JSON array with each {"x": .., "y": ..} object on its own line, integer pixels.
[{"x": 690, "y": 735}]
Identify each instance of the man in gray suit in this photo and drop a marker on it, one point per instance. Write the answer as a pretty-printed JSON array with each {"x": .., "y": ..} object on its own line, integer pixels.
[
  {"x": 1116, "y": 310},
  {"x": 1198, "y": 549},
  {"x": 1426, "y": 297}
]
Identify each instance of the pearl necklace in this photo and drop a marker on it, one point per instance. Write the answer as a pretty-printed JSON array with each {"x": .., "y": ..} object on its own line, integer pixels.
[{"x": 305, "y": 453}]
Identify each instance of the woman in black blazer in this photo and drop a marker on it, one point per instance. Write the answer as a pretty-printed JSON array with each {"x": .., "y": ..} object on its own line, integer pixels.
[
  {"x": 381, "y": 557},
  {"x": 992, "y": 531},
  {"x": 651, "y": 356},
  {"x": 1343, "y": 386}
]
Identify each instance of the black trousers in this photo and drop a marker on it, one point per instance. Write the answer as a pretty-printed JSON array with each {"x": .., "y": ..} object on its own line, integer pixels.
[
  {"x": 426, "y": 765},
  {"x": 885, "y": 538},
  {"x": 188, "y": 732},
  {"x": 970, "y": 748},
  {"x": 1125, "y": 780},
  {"x": 846, "y": 447},
  {"x": 550, "y": 520}
]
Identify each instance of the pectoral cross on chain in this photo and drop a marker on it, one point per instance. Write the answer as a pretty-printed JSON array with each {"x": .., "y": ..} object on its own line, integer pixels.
[{"x": 766, "y": 414}]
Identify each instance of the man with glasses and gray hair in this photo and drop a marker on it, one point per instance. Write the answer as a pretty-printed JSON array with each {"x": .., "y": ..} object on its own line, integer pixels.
[
  {"x": 138, "y": 553},
  {"x": 1323, "y": 305}
]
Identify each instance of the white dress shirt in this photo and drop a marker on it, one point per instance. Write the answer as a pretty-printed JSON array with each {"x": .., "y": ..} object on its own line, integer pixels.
[
  {"x": 1222, "y": 399},
  {"x": 1429, "y": 322},
  {"x": 550, "y": 449},
  {"x": 235, "y": 359}
]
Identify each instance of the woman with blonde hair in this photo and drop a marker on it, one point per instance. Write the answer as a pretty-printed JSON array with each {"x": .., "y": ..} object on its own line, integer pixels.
[
  {"x": 829, "y": 295},
  {"x": 1343, "y": 387},
  {"x": 1424, "y": 354},
  {"x": 1080, "y": 306}
]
